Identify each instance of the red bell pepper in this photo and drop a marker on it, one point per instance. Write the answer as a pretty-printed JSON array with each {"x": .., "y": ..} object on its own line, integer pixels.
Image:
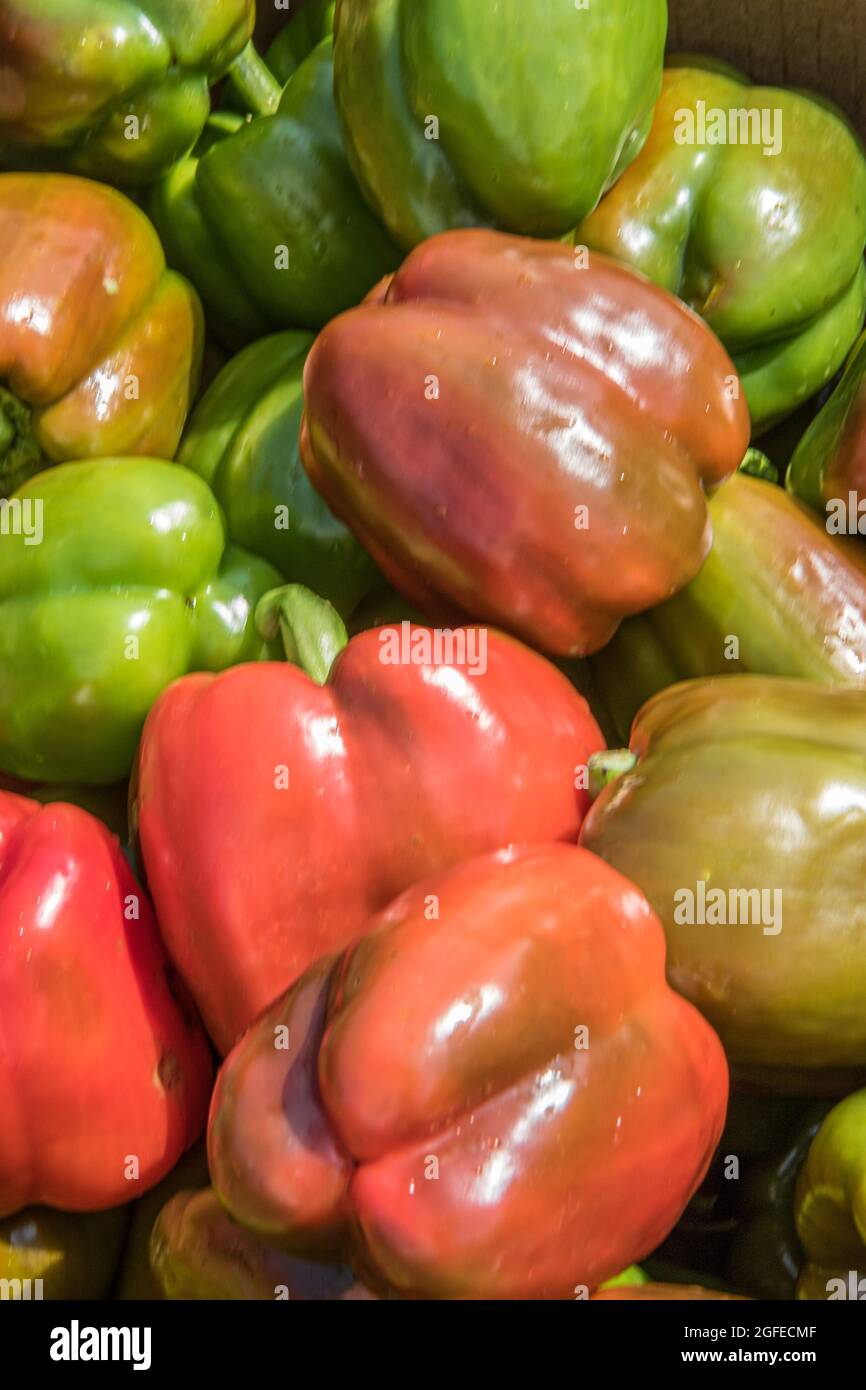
[
  {"x": 104, "y": 1070},
  {"x": 494, "y": 1094},
  {"x": 526, "y": 435},
  {"x": 275, "y": 814}
]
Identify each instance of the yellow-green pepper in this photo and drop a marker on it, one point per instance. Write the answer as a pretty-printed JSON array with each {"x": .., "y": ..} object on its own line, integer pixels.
[{"x": 831, "y": 1206}]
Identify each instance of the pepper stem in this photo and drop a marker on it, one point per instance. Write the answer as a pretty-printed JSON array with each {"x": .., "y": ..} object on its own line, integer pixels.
[
  {"x": 606, "y": 767},
  {"x": 20, "y": 455},
  {"x": 255, "y": 83},
  {"x": 757, "y": 465},
  {"x": 312, "y": 631}
]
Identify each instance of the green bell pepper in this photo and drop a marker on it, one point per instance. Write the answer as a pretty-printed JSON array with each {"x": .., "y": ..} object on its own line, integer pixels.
[
  {"x": 265, "y": 216},
  {"x": 766, "y": 1255},
  {"x": 243, "y": 439},
  {"x": 129, "y": 585},
  {"x": 197, "y": 1251},
  {"x": 74, "y": 1255},
  {"x": 742, "y": 819},
  {"x": 518, "y": 113},
  {"x": 701, "y": 1238},
  {"x": 297, "y": 39},
  {"x": 135, "y": 1278},
  {"x": 294, "y": 42},
  {"x": 831, "y": 1206},
  {"x": 727, "y": 206},
  {"x": 113, "y": 89},
  {"x": 386, "y": 608},
  {"x": 777, "y": 596},
  {"x": 630, "y": 1278},
  {"x": 705, "y": 1245}
]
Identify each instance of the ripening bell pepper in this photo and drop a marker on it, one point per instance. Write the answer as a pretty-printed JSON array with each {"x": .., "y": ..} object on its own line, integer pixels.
[
  {"x": 494, "y": 1094},
  {"x": 411, "y": 757},
  {"x": 828, "y": 467},
  {"x": 265, "y": 216},
  {"x": 115, "y": 89},
  {"x": 727, "y": 206},
  {"x": 742, "y": 819},
  {"x": 830, "y": 1206},
  {"x": 107, "y": 357},
  {"x": 199, "y": 1252},
  {"x": 777, "y": 596},
  {"x": 74, "y": 1255},
  {"x": 116, "y": 579},
  {"x": 104, "y": 1072},
  {"x": 518, "y": 113},
  {"x": 524, "y": 436},
  {"x": 243, "y": 439}
]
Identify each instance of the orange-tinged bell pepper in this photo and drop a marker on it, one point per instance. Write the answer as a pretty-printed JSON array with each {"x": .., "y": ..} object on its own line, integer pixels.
[
  {"x": 523, "y": 435},
  {"x": 100, "y": 345},
  {"x": 495, "y": 1094}
]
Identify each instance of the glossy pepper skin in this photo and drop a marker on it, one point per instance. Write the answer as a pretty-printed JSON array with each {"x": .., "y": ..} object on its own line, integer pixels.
[
  {"x": 446, "y": 1044},
  {"x": 777, "y": 596},
  {"x": 131, "y": 586},
  {"x": 266, "y": 218},
  {"x": 198, "y": 1252},
  {"x": 743, "y": 236},
  {"x": 81, "y": 962},
  {"x": 538, "y": 107},
  {"x": 107, "y": 357},
  {"x": 526, "y": 438},
  {"x": 114, "y": 89},
  {"x": 747, "y": 784},
  {"x": 829, "y": 463},
  {"x": 243, "y": 439},
  {"x": 342, "y": 795},
  {"x": 830, "y": 1206},
  {"x": 74, "y": 1254}
]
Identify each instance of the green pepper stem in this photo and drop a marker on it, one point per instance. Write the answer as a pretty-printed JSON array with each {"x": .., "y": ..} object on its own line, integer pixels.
[
  {"x": 255, "y": 83},
  {"x": 312, "y": 631},
  {"x": 606, "y": 767},
  {"x": 20, "y": 455},
  {"x": 757, "y": 465}
]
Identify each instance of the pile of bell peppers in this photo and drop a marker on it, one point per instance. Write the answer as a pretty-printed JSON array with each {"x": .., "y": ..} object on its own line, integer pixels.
[{"x": 432, "y": 659}]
